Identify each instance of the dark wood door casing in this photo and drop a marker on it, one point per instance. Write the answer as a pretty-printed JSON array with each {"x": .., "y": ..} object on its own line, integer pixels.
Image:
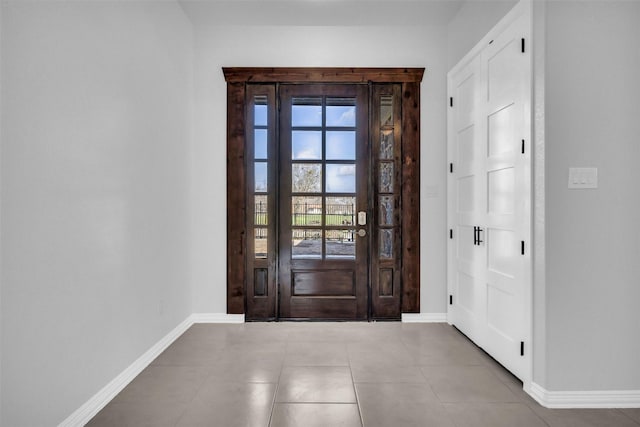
[{"x": 238, "y": 234}]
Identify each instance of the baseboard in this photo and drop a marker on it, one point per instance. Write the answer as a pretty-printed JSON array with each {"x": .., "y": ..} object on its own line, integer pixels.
[
  {"x": 87, "y": 411},
  {"x": 424, "y": 317},
  {"x": 584, "y": 399},
  {"x": 217, "y": 318}
]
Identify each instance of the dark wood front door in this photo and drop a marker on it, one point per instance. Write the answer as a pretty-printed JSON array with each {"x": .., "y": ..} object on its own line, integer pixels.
[
  {"x": 323, "y": 193},
  {"x": 323, "y": 202}
]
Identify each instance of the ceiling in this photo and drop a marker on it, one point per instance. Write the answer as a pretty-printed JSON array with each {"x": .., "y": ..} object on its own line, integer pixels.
[{"x": 320, "y": 12}]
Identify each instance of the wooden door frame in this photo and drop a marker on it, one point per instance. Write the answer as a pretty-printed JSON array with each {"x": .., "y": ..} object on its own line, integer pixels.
[{"x": 237, "y": 78}]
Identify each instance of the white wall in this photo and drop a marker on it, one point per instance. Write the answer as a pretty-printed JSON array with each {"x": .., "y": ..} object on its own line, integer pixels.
[
  {"x": 95, "y": 158},
  {"x": 313, "y": 45},
  {"x": 593, "y": 249},
  {"x": 471, "y": 23}
]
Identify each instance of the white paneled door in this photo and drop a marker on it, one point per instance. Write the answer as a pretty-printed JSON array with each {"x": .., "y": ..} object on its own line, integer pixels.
[{"x": 490, "y": 193}]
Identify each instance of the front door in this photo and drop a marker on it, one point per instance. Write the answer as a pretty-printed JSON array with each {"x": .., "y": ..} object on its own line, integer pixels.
[
  {"x": 327, "y": 227},
  {"x": 323, "y": 235}
]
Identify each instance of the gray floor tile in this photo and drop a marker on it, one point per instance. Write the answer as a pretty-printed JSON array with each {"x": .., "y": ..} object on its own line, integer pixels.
[
  {"x": 467, "y": 384},
  {"x": 400, "y": 405},
  {"x": 230, "y": 405},
  {"x": 139, "y": 414},
  {"x": 190, "y": 353},
  {"x": 260, "y": 332},
  {"x": 315, "y": 415},
  {"x": 585, "y": 417},
  {"x": 493, "y": 415},
  {"x": 250, "y": 372},
  {"x": 159, "y": 384},
  {"x": 426, "y": 332},
  {"x": 344, "y": 332},
  {"x": 386, "y": 374},
  {"x": 250, "y": 353},
  {"x": 220, "y": 334},
  {"x": 633, "y": 413},
  {"x": 444, "y": 352},
  {"x": 405, "y": 375},
  {"x": 316, "y": 354},
  {"x": 318, "y": 384},
  {"x": 392, "y": 353}
]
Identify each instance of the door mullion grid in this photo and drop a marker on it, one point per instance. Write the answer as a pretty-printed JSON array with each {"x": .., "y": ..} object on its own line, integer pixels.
[{"x": 323, "y": 179}]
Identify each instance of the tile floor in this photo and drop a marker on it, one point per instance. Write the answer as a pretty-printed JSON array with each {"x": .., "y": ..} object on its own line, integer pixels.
[{"x": 334, "y": 374}]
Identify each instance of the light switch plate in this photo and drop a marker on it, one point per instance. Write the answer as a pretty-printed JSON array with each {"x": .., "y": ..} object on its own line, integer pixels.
[{"x": 583, "y": 178}]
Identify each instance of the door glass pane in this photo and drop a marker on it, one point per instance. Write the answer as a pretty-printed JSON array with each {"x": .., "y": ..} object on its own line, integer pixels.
[
  {"x": 260, "y": 176},
  {"x": 306, "y": 112},
  {"x": 341, "y": 145},
  {"x": 260, "y": 143},
  {"x": 341, "y": 178},
  {"x": 306, "y": 177},
  {"x": 306, "y": 243},
  {"x": 340, "y": 244},
  {"x": 386, "y": 210},
  {"x": 341, "y": 115},
  {"x": 260, "y": 243},
  {"x": 340, "y": 210},
  {"x": 306, "y": 210},
  {"x": 386, "y": 243},
  {"x": 386, "y": 144},
  {"x": 260, "y": 208},
  {"x": 306, "y": 145},
  {"x": 260, "y": 111},
  {"x": 386, "y": 177},
  {"x": 386, "y": 110}
]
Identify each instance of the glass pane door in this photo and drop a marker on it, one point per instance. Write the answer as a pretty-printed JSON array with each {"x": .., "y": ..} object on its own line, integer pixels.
[{"x": 323, "y": 186}]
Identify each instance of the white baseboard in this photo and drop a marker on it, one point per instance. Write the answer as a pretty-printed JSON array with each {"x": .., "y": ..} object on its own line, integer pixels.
[
  {"x": 91, "y": 407},
  {"x": 584, "y": 399},
  {"x": 217, "y": 318},
  {"x": 424, "y": 317}
]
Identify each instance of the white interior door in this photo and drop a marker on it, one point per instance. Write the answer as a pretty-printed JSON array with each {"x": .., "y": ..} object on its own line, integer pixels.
[
  {"x": 466, "y": 201},
  {"x": 490, "y": 193},
  {"x": 506, "y": 74}
]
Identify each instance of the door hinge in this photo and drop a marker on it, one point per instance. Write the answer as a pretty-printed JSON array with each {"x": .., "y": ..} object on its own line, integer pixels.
[
  {"x": 521, "y": 348},
  {"x": 451, "y": 233},
  {"x": 522, "y": 44},
  {"x": 451, "y": 101},
  {"x": 523, "y": 146},
  {"x": 450, "y": 299},
  {"x": 450, "y": 167},
  {"x": 522, "y": 247}
]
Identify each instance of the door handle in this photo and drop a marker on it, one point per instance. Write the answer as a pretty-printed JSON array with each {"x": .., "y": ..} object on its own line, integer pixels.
[
  {"x": 362, "y": 232},
  {"x": 478, "y": 241},
  {"x": 475, "y": 235}
]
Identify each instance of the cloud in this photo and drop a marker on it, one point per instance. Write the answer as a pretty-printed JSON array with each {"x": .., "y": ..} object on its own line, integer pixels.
[
  {"x": 348, "y": 117},
  {"x": 347, "y": 170}
]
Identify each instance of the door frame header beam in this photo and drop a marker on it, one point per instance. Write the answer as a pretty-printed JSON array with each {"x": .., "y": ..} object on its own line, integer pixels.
[{"x": 322, "y": 74}]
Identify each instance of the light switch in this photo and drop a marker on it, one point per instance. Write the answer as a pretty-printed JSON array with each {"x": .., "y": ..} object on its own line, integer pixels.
[{"x": 583, "y": 178}]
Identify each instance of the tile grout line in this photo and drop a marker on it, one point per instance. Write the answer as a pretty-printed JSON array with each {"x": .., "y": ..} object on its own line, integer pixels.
[
  {"x": 355, "y": 390},
  {"x": 275, "y": 392},
  {"x": 627, "y": 415}
]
